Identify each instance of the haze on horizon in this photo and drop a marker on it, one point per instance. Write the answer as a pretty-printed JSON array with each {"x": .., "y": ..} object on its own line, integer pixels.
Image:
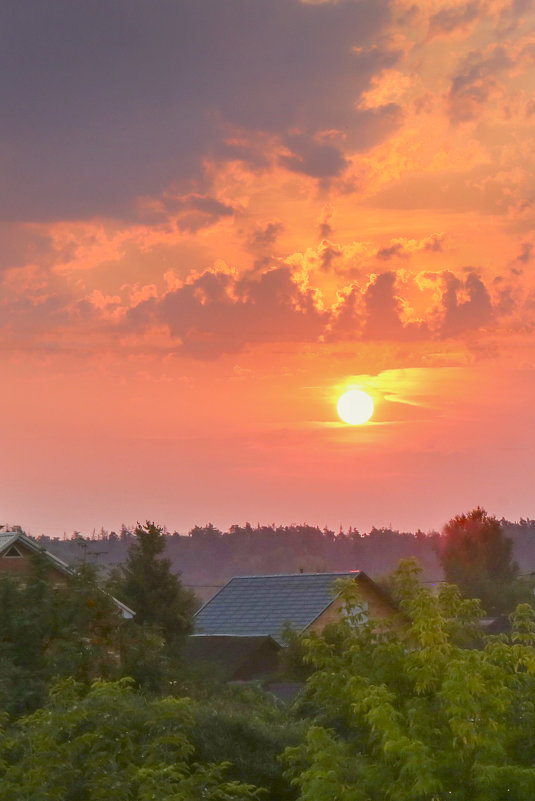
[{"x": 217, "y": 217}]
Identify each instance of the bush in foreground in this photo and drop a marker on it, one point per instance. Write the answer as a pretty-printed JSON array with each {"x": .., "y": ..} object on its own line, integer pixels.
[
  {"x": 109, "y": 743},
  {"x": 406, "y": 713}
]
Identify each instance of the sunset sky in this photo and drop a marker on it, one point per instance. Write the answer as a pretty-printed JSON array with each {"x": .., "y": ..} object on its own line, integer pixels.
[{"x": 216, "y": 216}]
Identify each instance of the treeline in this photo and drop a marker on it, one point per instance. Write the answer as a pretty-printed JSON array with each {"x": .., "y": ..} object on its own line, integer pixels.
[{"x": 208, "y": 557}]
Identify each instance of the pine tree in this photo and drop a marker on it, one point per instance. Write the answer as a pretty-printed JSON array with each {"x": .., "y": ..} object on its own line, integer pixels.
[{"x": 156, "y": 595}]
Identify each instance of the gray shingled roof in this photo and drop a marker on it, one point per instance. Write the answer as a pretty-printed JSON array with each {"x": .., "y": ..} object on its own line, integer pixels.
[{"x": 262, "y": 605}]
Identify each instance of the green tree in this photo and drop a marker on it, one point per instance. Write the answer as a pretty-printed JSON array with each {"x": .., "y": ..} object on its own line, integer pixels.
[
  {"x": 249, "y": 729},
  {"x": 109, "y": 743},
  {"x": 74, "y": 629},
  {"x": 406, "y": 713},
  {"x": 147, "y": 584},
  {"x": 50, "y": 631},
  {"x": 477, "y": 557}
]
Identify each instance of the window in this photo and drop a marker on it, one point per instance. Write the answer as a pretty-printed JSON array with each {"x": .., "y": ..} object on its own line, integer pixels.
[
  {"x": 12, "y": 553},
  {"x": 358, "y": 613}
]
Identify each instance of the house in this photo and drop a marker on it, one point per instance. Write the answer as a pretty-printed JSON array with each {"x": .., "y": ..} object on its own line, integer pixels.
[
  {"x": 262, "y": 606},
  {"x": 16, "y": 552},
  {"x": 229, "y": 658}
]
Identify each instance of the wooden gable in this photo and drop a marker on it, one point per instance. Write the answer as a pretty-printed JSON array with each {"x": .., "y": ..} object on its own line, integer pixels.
[
  {"x": 377, "y": 605},
  {"x": 17, "y": 552}
]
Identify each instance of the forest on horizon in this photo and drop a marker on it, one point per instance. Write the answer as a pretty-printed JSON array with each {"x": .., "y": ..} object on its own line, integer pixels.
[{"x": 208, "y": 557}]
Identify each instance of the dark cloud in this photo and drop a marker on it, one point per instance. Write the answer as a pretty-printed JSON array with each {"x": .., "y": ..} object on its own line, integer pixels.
[
  {"x": 511, "y": 15},
  {"x": 329, "y": 252},
  {"x": 475, "y": 81},
  {"x": 464, "y": 315},
  {"x": 448, "y": 20},
  {"x": 319, "y": 160},
  {"x": 324, "y": 224},
  {"x": 218, "y": 313},
  {"x": 516, "y": 7},
  {"x": 251, "y": 152},
  {"x": 526, "y": 253},
  {"x": 325, "y": 160},
  {"x": 194, "y": 212},
  {"x": 433, "y": 243},
  {"x": 403, "y": 248},
  {"x": 505, "y": 296},
  {"x": 374, "y": 314},
  {"x": 391, "y": 251},
  {"x": 107, "y": 101},
  {"x": 34, "y": 316},
  {"x": 22, "y": 244},
  {"x": 347, "y": 320},
  {"x": 409, "y": 16},
  {"x": 266, "y": 235},
  {"x": 188, "y": 212},
  {"x": 383, "y": 310}
]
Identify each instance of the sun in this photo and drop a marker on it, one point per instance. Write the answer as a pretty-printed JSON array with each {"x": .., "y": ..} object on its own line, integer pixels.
[{"x": 355, "y": 407}]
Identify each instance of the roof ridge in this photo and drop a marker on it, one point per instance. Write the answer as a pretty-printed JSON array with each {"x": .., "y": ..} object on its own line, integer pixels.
[{"x": 292, "y": 575}]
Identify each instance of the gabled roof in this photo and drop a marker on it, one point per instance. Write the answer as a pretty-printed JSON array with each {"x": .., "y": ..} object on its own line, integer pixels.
[
  {"x": 9, "y": 538},
  {"x": 263, "y": 605}
]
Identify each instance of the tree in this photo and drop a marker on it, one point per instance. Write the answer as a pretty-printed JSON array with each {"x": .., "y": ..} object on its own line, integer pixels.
[
  {"x": 248, "y": 729},
  {"x": 147, "y": 584},
  {"x": 406, "y": 713},
  {"x": 108, "y": 742},
  {"x": 48, "y": 631},
  {"x": 477, "y": 557}
]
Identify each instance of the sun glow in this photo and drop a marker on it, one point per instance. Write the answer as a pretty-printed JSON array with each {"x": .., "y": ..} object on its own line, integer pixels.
[{"x": 355, "y": 407}]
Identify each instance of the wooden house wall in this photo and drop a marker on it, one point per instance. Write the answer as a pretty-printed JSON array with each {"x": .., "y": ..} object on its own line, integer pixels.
[
  {"x": 379, "y": 608},
  {"x": 264, "y": 662},
  {"x": 21, "y": 567}
]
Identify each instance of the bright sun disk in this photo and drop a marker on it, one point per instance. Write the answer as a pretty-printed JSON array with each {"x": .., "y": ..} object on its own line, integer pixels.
[{"x": 355, "y": 407}]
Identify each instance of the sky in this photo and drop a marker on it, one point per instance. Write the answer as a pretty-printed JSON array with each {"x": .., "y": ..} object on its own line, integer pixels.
[{"x": 216, "y": 217}]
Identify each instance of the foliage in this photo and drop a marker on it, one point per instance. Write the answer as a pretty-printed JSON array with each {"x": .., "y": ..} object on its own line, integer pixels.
[
  {"x": 248, "y": 729},
  {"x": 110, "y": 742},
  {"x": 143, "y": 656},
  {"x": 406, "y": 713},
  {"x": 477, "y": 556},
  {"x": 294, "y": 666},
  {"x": 48, "y": 631},
  {"x": 147, "y": 585}
]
